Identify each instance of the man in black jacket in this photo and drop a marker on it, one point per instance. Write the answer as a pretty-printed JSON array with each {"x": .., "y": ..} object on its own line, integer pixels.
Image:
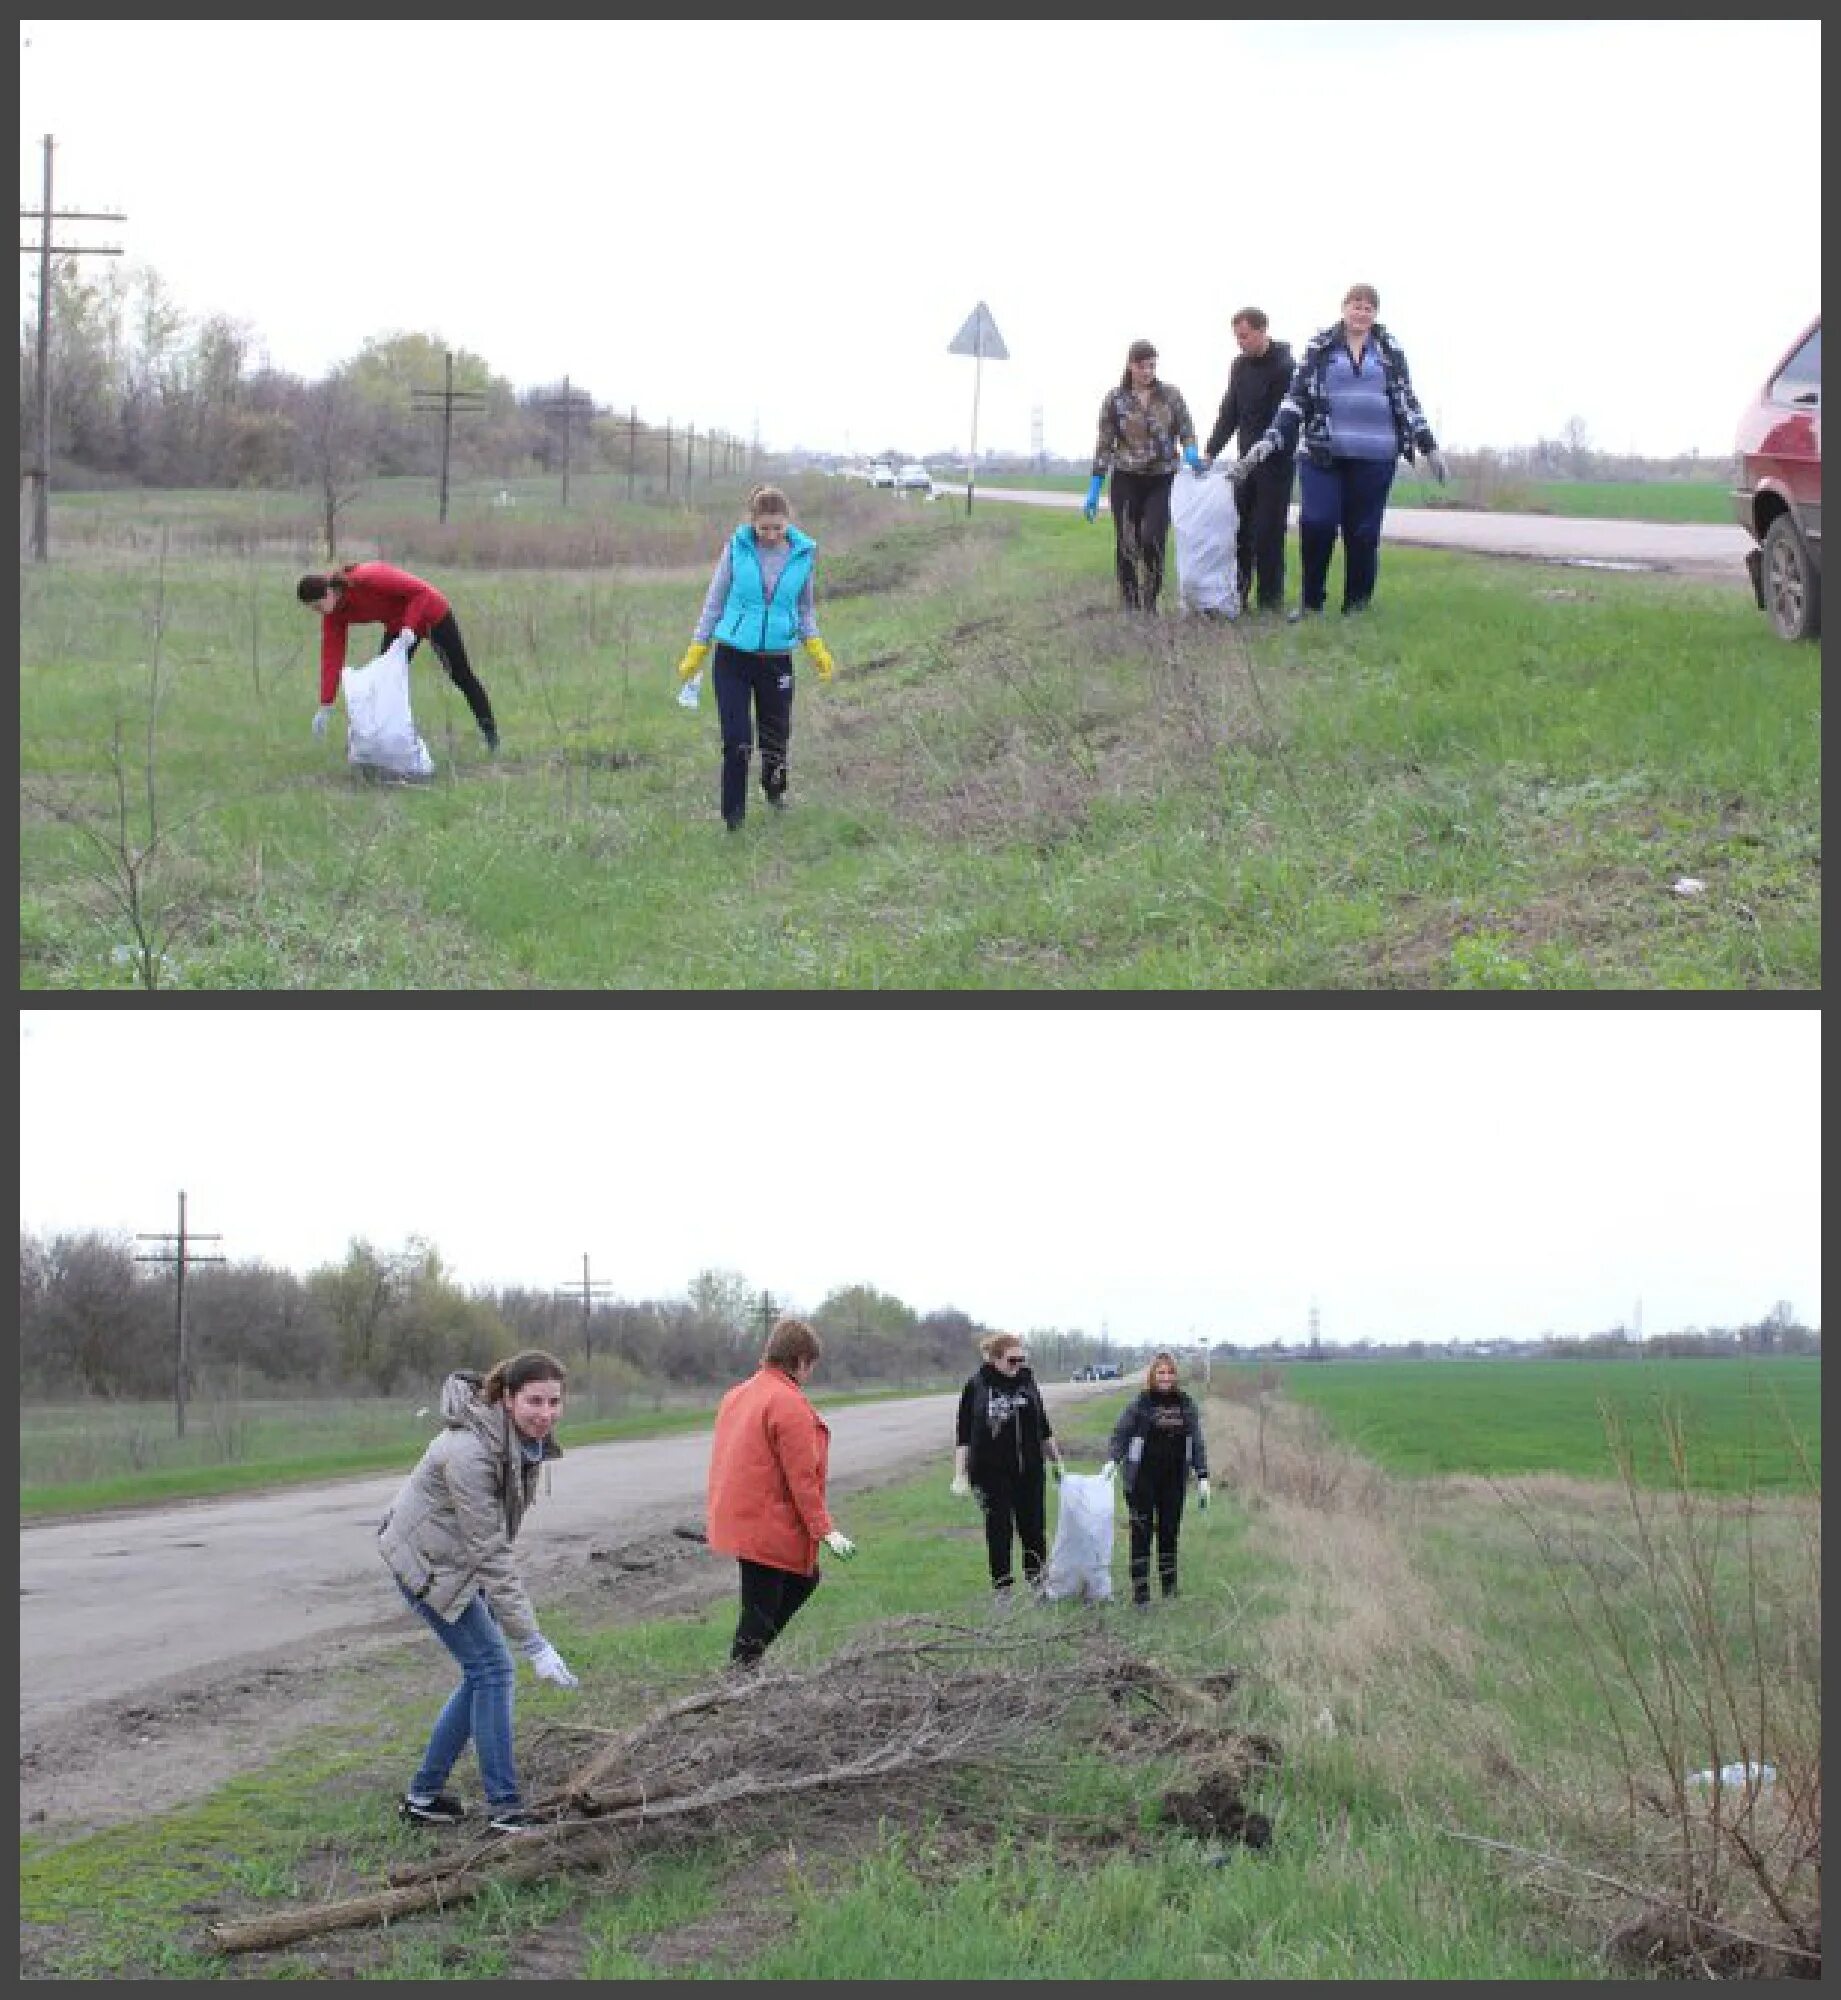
[{"x": 1255, "y": 385}]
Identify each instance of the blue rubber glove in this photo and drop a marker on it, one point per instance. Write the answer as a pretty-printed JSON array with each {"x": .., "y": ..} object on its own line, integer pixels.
[
  {"x": 1090, "y": 507},
  {"x": 1192, "y": 458}
]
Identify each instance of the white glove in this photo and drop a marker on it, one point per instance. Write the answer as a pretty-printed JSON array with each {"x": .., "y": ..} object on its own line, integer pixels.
[
  {"x": 547, "y": 1662},
  {"x": 1255, "y": 454},
  {"x": 840, "y": 1546},
  {"x": 691, "y": 692},
  {"x": 321, "y": 716},
  {"x": 410, "y": 641},
  {"x": 1436, "y": 460},
  {"x": 1112, "y": 1469},
  {"x": 1201, "y": 1494},
  {"x": 960, "y": 1486}
]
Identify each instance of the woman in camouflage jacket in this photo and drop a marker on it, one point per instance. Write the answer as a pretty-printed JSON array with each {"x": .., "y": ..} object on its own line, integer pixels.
[{"x": 1144, "y": 428}]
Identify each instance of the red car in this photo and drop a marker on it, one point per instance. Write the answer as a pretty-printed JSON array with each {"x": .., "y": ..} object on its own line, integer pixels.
[{"x": 1778, "y": 494}]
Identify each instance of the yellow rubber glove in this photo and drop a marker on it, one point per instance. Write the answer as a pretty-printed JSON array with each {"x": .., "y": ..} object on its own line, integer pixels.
[
  {"x": 821, "y": 658},
  {"x": 693, "y": 660}
]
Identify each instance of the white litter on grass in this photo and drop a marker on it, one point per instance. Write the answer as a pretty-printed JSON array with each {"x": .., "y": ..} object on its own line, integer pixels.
[
  {"x": 1690, "y": 885},
  {"x": 1735, "y": 1775},
  {"x": 691, "y": 692}
]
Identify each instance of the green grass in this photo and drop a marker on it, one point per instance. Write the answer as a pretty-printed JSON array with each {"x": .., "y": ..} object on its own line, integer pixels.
[
  {"x": 1744, "y": 1422},
  {"x": 1691, "y": 500},
  {"x": 1492, "y": 781},
  {"x": 1358, "y": 1882},
  {"x": 71, "y": 1457}
]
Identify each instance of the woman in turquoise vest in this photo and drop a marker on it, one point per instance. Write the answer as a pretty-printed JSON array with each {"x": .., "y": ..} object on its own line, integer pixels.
[{"x": 760, "y": 602}]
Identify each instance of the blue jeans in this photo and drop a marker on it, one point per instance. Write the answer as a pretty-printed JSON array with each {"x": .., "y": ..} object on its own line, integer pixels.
[
  {"x": 479, "y": 1709},
  {"x": 1349, "y": 494}
]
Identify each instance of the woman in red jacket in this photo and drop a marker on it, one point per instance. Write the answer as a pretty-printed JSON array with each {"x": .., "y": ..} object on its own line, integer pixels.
[
  {"x": 377, "y": 593},
  {"x": 768, "y": 1460}
]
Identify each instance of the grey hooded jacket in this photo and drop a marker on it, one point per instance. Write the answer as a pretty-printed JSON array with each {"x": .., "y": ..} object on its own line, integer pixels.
[{"x": 449, "y": 1531}]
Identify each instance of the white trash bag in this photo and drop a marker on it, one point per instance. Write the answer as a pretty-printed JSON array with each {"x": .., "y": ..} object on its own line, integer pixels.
[
  {"x": 1204, "y": 515},
  {"x": 380, "y": 731},
  {"x": 692, "y": 691},
  {"x": 1080, "y": 1563}
]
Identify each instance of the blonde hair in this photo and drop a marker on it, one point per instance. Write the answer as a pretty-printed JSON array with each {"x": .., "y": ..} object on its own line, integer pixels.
[
  {"x": 1157, "y": 1360},
  {"x": 768, "y": 500},
  {"x": 994, "y": 1344}
]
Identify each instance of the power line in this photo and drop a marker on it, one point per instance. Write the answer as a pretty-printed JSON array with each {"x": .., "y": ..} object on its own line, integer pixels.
[
  {"x": 568, "y": 403},
  {"x": 44, "y": 249},
  {"x": 180, "y": 1259},
  {"x": 590, "y": 1290},
  {"x": 447, "y": 400}
]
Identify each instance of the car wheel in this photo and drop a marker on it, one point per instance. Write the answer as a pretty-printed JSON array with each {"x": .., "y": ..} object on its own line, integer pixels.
[{"x": 1792, "y": 582}]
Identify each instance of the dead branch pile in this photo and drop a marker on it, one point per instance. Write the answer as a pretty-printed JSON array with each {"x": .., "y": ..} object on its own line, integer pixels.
[{"x": 907, "y": 1710}]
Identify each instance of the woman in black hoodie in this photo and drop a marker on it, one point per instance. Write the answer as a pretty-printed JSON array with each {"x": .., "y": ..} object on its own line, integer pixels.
[
  {"x": 1002, "y": 1445},
  {"x": 1156, "y": 1444}
]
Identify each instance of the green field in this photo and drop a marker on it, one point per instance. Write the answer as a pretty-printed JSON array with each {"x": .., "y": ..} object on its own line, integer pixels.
[
  {"x": 1492, "y": 781},
  {"x": 1749, "y": 1425}
]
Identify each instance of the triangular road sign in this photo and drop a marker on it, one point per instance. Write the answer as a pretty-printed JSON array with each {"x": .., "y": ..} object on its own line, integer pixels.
[{"x": 979, "y": 336}]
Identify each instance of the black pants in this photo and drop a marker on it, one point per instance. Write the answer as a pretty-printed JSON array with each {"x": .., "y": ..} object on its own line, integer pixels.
[
  {"x": 1140, "y": 527},
  {"x": 1259, "y": 535},
  {"x": 451, "y": 651},
  {"x": 750, "y": 685},
  {"x": 1015, "y": 1509},
  {"x": 1156, "y": 1507},
  {"x": 769, "y": 1598}
]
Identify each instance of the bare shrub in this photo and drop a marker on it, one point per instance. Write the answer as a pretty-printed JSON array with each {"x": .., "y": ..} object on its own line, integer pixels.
[{"x": 1699, "y": 1620}]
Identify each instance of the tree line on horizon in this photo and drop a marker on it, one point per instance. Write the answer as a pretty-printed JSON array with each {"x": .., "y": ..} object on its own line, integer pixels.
[{"x": 97, "y": 1320}]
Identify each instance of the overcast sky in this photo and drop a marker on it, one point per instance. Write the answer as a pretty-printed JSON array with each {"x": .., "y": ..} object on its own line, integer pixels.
[
  {"x": 782, "y": 224},
  {"x": 1172, "y": 1173}
]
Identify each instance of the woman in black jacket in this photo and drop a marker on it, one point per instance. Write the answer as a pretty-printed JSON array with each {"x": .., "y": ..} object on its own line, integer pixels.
[
  {"x": 1156, "y": 1444},
  {"x": 1003, "y": 1443}
]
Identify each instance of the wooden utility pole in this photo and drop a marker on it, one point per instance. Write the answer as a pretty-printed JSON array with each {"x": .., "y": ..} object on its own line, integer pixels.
[
  {"x": 769, "y": 1312},
  {"x": 590, "y": 1290},
  {"x": 568, "y": 403},
  {"x": 179, "y": 1257},
  {"x": 447, "y": 400},
  {"x": 45, "y": 250}
]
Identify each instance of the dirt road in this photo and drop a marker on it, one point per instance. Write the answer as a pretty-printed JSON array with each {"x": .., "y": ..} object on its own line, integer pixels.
[{"x": 161, "y": 1650}]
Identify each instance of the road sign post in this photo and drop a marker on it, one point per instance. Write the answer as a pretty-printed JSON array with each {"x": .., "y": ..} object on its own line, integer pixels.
[{"x": 978, "y": 337}]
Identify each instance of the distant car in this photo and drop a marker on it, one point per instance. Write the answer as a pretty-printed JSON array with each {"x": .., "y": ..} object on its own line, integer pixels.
[
  {"x": 882, "y": 473},
  {"x": 914, "y": 478},
  {"x": 1098, "y": 1371},
  {"x": 1777, "y": 489}
]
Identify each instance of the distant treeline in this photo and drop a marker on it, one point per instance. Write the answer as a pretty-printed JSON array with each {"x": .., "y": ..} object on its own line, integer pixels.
[
  {"x": 95, "y": 1319},
  {"x": 141, "y": 395}
]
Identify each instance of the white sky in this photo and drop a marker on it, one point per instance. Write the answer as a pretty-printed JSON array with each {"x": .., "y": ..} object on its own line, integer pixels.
[
  {"x": 784, "y": 223},
  {"x": 1435, "y": 1173}
]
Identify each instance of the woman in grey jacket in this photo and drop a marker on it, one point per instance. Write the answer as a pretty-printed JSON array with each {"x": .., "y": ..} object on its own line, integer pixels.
[
  {"x": 447, "y": 1541},
  {"x": 1157, "y": 1444}
]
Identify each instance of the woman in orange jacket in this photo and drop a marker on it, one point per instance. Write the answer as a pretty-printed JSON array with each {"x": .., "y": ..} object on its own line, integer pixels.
[
  {"x": 768, "y": 1459},
  {"x": 378, "y": 593}
]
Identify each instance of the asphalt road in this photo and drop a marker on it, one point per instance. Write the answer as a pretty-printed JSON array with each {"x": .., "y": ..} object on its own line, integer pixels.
[
  {"x": 1704, "y": 549},
  {"x": 113, "y": 1607}
]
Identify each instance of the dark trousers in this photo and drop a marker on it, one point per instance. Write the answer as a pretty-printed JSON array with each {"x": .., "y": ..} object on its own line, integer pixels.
[
  {"x": 1350, "y": 495},
  {"x": 751, "y": 685},
  {"x": 1155, "y": 1505},
  {"x": 769, "y": 1598},
  {"x": 1259, "y": 534},
  {"x": 451, "y": 651},
  {"x": 1140, "y": 527},
  {"x": 1015, "y": 1510}
]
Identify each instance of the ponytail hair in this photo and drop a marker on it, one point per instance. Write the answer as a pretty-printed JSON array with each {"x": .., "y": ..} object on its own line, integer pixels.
[
  {"x": 768, "y": 500},
  {"x": 511, "y": 1375}
]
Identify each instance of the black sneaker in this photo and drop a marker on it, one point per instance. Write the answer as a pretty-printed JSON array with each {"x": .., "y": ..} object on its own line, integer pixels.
[
  {"x": 442, "y": 1810},
  {"x": 517, "y": 1819},
  {"x": 491, "y": 734},
  {"x": 733, "y": 821}
]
